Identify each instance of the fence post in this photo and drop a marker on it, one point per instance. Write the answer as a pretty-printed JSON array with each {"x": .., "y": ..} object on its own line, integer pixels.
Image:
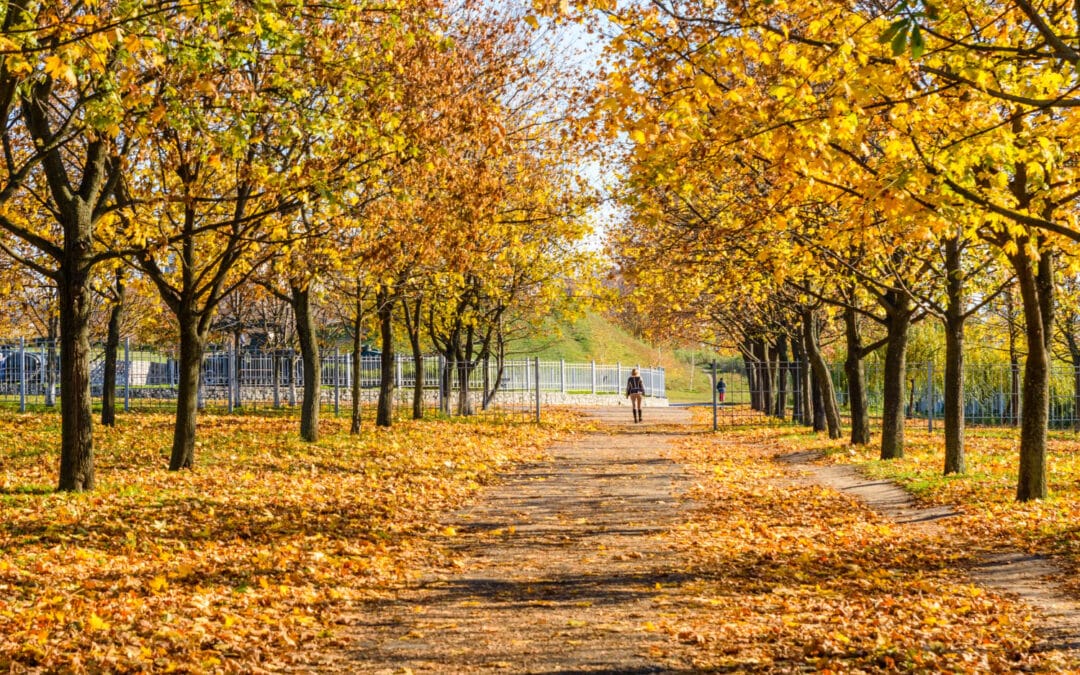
[
  {"x": 397, "y": 371},
  {"x": 562, "y": 375},
  {"x": 715, "y": 400},
  {"x": 22, "y": 374},
  {"x": 536, "y": 370},
  {"x": 337, "y": 389},
  {"x": 618, "y": 376},
  {"x": 929, "y": 395},
  {"x": 592, "y": 367},
  {"x": 127, "y": 374}
]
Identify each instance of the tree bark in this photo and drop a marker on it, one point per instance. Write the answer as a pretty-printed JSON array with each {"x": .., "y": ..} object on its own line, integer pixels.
[
  {"x": 76, "y": 414},
  {"x": 1036, "y": 292},
  {"x": 465, "y": 368},
  {"x": 892, "y": 420},
  {"x": 192, "y": 346},
  {"x": 818, "y": 403},
  {"x": 112, "y": 346},
  {"x": 766, "y": 377},
  {"x": 1012, "y": 408},
  {"x": 751, "y": 374},
  {"x": 782, "y": 369},
  {"x": 384, "y": 415},
  {"x": 954, "y": 360},
  {"x": 803, "y": 396},
  {"x": 821, "y": 374},
  {"x": 856, "y": 377},
  {"x": 357, "y": 361},
  {"x": 300, "y": 298},
  {"x": 412, "y": 327}
]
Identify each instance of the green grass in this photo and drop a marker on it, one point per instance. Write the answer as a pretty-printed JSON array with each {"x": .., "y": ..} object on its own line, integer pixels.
[{"x": 594, "y": 338}]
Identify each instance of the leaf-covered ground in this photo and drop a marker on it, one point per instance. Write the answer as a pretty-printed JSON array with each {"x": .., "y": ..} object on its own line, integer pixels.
[
  {"x": 271, "y": 549},
  {"x": 231, "y": 566},
  {"x": 795, "y": 573},
  {"x": 990, "y": 518}
]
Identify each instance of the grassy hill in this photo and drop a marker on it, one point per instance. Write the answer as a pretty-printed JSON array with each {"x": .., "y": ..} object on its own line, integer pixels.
[{"x": 594, "y": 338}]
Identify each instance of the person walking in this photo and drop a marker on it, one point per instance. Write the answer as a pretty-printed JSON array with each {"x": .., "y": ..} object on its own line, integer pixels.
[
  {"x": 635, "y": 391},
  {"x": 721, "y": 389}
]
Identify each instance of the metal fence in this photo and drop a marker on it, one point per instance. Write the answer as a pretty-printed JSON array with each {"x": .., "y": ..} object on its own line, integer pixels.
[
  {"x": 992, "y": 392},
  {"x": 249, "y": 378}
]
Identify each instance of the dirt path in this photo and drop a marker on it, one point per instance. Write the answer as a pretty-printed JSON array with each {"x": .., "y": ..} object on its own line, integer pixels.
[{"x": 562, "y": 566}]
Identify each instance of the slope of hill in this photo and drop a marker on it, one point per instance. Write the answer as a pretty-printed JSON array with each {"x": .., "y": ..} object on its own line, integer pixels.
[{"x": 594, "y": 338}]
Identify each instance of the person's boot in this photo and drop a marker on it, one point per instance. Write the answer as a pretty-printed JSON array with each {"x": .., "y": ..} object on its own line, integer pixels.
[{"x": 638, "y": 415}]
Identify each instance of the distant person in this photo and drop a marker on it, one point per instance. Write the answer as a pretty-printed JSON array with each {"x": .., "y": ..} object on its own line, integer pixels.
[
  {"x": 635, "y": 391},
  {"x": 721, "y": 389}
]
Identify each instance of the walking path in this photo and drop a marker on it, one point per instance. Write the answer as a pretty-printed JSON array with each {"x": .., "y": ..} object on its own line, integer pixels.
[
  {"x": 561, "y": 566},
  {"x": 565, "y": 566}
]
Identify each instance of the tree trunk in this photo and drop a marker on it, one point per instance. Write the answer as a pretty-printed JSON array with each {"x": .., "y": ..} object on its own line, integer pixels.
[
  {"x": 76, "y": 414},
  {"x": 465, "y": 368},
  {"x": 1036, "y": 292},
  {"x": 192, "y": 346},
  {"x": 802, "y": 412},
  {"x": 751, "y": 374},
  {"x": 782, "y": 368},
  {"x": 384, "y": 415},
  {"x": 856, "y": 377},
  {"x": 818, "y": 404},
  {"x": 821, "y": 375},
  {"x": 357, "y": 362},
  {"x": 412, "y": 327},
  {"x": 112, "y": 346},
  {"x": 309, "y": 355},
  {"x": 892, "y": 419},
  {"x": 954, "y": 360},
  {"x": 766, "y": 377},
  {"x": 1012, "y": 408}
]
